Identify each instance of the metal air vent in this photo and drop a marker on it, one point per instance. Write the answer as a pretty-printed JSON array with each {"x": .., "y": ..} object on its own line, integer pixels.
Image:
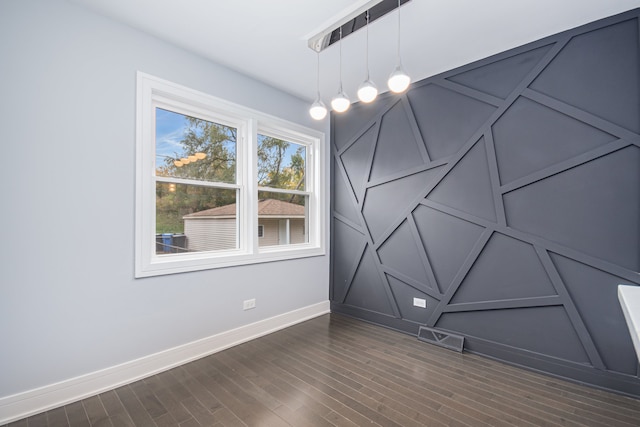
[{"x": 440, "y": 338}]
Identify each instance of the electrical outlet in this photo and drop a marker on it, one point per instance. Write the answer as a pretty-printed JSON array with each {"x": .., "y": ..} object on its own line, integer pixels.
[
  {"x": 249, "y": 304},
  {"x": 420, "y": 302}
]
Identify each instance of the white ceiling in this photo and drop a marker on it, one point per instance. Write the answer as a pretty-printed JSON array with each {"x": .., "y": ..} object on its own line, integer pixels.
[{"x": 267, "y": 39}]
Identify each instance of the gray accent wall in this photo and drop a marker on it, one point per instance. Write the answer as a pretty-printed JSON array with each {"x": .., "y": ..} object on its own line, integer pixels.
[{"x": 505, "y": 193}]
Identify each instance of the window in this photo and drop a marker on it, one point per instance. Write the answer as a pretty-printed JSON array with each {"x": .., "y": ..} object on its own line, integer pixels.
[
  {"x": 282, "y": 194},
  {"x": 196, "y": 182},
  {"x": 209, "y": 170}
]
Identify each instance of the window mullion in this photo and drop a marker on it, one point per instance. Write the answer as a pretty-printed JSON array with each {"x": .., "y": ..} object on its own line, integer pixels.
[
  {"x": 251, "y": 185},
  {"x": 196, "y": 182},
  {"x": 284, "y": 191}
]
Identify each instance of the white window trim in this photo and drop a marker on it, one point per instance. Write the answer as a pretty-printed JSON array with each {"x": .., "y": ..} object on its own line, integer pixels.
[{"x": 151, "y": 92}]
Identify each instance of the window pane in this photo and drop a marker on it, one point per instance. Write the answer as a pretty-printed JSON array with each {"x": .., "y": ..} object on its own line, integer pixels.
[
  {"x": 187, "y": 147},
  {"x": 283, "y": 217},
  {"x": 192, "y": 218},
  {"x": 281, "y": 164}
]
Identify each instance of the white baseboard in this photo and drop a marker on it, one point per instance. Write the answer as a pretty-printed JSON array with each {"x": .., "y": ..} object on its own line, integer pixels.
[{"x": 51, "y": 396}]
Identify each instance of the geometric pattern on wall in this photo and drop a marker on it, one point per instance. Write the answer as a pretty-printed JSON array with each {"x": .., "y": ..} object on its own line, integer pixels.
[
  {"x": 384, "y": 202},
  {"x": 397, "y": 140},
  {"x": 404, "y": 294},
  {"x": 437, "y": 112},
  {"x": 355, "y": 161},
  {"x": 467, "y": 187},
  {"x": 342, "y": 204},
  {"x": 533, "y": 329},
  {"x": 506, "y": 194},
  {"x": 367, "y": 289},
  {"x": 592, "y": 291},
  {"x": 447, "y": 241},
  {"x": 492, "y": 276},
  {"x": 348, "y": 245},
  {"x": 500, "y": 78},
  {"x": 576, "y": 208},
  {"x": 400, "y": 255},
  {"x": 608, "y": 65},
  {"x": 530, "y": 137}
]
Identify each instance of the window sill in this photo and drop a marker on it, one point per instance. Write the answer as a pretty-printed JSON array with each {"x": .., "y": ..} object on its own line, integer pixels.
[{"x": 184, "y": 263}]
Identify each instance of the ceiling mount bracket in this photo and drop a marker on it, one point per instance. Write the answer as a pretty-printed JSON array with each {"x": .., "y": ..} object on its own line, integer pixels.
[{"x": 352, "y": 23}]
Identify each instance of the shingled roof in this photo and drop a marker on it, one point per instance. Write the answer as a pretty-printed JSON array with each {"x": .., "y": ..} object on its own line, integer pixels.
[{"x": 266, "y": 208}]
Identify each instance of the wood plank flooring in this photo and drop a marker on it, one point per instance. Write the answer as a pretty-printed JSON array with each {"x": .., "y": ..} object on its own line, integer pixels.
[{"x": 337, "y": 371}]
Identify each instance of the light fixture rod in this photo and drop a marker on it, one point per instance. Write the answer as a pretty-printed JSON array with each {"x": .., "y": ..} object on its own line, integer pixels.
[
  {"x": 398, "y": 32},
  {"x": 367, "y": 52},
  {"x": 340, "y": 59},
  {"x": 318, "y": 73}
]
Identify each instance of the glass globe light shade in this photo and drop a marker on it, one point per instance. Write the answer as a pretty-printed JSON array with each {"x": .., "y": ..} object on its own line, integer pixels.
[
  {"x": 398, "y": 80},
  {"x": 185, "y": 161},
  {"x": 367, "y": 91},
  {"x": 200, "y": 156},
  {"x": 318, "y": 110},
  {"x": 178, "y": 163},
  {"x": 193, "y": 158},
  {"x": 340, "y": 103}
]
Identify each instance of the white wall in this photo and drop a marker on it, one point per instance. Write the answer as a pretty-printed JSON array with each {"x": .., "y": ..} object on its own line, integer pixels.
[{"x": 69, "y": 304}]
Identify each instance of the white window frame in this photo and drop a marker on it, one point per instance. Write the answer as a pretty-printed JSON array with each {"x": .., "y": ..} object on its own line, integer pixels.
[
  {"x": 154, "y": 92},
  {"x": 300, "y": 139}
]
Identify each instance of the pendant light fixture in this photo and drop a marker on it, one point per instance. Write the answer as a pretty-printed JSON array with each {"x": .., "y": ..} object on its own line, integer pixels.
[
  {"x": 367, "y": 91},
  {"x": 340, "y": 103},
  {"x": 318, "y": 110},
  {"x": 369, "y": 12},
  {"x": 398, "y": 80}
]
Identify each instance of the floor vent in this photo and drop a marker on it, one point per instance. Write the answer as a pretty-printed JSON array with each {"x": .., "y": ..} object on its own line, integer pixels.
[{"x": 443, "y": 339}]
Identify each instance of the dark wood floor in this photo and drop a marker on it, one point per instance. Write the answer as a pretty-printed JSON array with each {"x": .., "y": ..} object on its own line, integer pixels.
[{"x": 336, "y": 371}]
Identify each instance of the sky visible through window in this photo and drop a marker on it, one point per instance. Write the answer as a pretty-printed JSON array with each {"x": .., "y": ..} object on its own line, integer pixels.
[{"x": 171, "y": 129}]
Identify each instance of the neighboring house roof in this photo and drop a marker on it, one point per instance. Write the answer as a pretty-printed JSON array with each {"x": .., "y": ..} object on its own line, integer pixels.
[{"x": 266, "y": 208}]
